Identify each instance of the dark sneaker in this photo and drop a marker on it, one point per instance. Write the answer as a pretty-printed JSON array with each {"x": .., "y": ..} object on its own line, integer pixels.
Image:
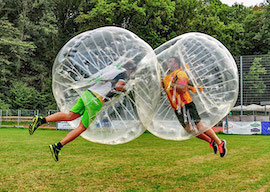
[
  {"x": 55, "y": 151},
  {"x": 222, "y": 148},
  {"x": 213, "y": 145},
  {"x": 36, "y": 122}
]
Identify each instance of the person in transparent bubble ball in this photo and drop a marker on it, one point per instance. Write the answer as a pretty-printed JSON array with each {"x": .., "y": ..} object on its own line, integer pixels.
[
  {"x": 109, "y": 83},
  {"x": 177, "y": 87}
]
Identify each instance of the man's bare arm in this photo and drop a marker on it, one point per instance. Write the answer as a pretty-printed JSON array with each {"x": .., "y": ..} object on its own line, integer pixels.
[
  {"x": 120, "y": 86},
  {"x": 181, "y": 86}
]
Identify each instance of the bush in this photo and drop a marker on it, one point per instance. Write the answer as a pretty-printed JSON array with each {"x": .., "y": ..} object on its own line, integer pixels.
[
  {"x": 4, "y": 105},
  {"x": 23, "y": 97}
]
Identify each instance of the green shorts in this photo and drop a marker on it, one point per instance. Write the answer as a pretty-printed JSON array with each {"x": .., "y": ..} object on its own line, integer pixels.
[{"x": 88, "y": 105}]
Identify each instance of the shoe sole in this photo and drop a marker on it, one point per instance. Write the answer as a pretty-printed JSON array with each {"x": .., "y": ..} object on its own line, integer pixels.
[
  {"x": 225, "y": 146},
  {"x": 215, "y": 151},
  {"x": 34, "y": 121},
  {"x": 215, "y": 144},
  {"x": 53, "y": 155},
  {"x": 30, "y": 129}
]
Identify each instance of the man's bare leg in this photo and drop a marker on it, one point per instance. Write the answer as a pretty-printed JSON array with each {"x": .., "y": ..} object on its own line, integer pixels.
[
  {"x": 204, "y": 137},
  {"x": 61, "y": 116},
  {"x": 56, "y": 148},
  {"x": 201, "y": 136},
  {"x": 73, "y": 134},
  {"x": 221, "y": 143},
  {"x": 213, "y": 135},
  {"x": 209, "y": 132}
]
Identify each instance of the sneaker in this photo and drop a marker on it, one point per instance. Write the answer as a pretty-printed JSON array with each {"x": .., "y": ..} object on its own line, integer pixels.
[
  {"x": 213, "y": 145},
  {"x": 222, "y": 148},
  {"x": 36, "y": 122},
  {"x": 55, "y": 151}
]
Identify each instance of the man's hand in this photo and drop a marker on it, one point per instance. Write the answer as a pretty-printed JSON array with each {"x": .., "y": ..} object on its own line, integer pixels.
[
  {"x": 201, "y": 89},
  {"x": 181, "y": 85},
  {"x": 120, "y": 86},
  {"x": 193, "y": 90},
  {"x": 180, "y": 88}
]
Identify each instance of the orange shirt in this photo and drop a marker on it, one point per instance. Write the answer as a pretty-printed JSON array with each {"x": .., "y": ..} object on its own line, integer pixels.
[{"x": 177, "y": 100}]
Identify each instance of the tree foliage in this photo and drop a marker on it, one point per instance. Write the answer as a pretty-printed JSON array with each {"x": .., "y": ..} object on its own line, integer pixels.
[{"x": 33, "y": 31}]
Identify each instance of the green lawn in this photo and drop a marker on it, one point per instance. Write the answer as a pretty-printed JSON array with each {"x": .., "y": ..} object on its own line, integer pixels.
[
  {"x": 145, "y": 164},
  {"x": 15, "y": 123}
]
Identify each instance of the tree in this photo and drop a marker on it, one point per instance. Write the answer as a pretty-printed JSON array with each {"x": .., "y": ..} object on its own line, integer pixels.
[
  {"x": 221, "y": 21},
  {"x": 253, "y": 81},
  {"x": 65, "y": 12},
  {"x": 3, "y": 103},
  {"x": 12, "y": 51},
  {"x": 256, "y": 26},
  {"x": 29, "y": 30},
  {"x": 23, "y": 97},
  {"x": 148, "y": 19},
  {"x": 33, "y": 31}
]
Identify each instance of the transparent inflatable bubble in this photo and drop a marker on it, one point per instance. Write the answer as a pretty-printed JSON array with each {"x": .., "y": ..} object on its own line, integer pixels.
[
  {"x": 212, "y": 85},
  {"x": 89, "y": 66}
]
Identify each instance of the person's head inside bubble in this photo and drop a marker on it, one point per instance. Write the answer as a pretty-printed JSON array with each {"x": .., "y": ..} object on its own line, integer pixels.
[
  {"x": 173, "y": 64},
  {"x": 130, "y": 66}
]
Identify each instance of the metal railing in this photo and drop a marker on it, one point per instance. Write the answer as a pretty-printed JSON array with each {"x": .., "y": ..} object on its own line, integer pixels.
[{"x": 22, "y": 118}]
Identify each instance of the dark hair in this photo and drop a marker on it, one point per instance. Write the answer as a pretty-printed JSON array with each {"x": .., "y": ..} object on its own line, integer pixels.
[
  {"x": 130, "y": 65},
  {"x": 177, "y": 60}
]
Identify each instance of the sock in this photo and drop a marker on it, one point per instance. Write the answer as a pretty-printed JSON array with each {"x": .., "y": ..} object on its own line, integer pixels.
[
  {"x": 59, "y": 145},
  {"x": 43, "y": 120}
]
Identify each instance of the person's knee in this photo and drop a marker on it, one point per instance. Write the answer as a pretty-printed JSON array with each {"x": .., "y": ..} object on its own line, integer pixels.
[
  {"x": 82, "y": 127},
  {"x": 200, "y": 126},
  {"x": 71, "y": 116},
  {"x": 193, "y": 129}
]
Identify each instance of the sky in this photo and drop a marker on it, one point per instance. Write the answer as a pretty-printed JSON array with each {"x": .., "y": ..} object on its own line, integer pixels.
[{"x": 245, "y": 2}]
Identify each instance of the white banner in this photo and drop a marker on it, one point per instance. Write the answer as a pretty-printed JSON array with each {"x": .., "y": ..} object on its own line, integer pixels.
[
  {"x": 63, "y": 125},
  {"x": 245, "y": 128}
]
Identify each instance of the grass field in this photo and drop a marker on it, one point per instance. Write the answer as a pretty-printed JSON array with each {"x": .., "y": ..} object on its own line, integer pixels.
[{"x": 145, "y": 164}]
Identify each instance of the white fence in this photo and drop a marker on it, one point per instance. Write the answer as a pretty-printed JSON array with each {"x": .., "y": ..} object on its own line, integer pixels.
[{"x": 22, "y": 118}]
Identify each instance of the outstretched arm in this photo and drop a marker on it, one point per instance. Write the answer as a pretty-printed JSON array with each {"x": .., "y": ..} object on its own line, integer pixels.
[
  {"x": 181, "y": 85},
  {"x": 193, "y": 88}
]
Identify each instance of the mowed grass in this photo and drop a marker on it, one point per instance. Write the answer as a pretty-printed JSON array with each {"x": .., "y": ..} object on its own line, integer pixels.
[{"x": 144, "y": 164}]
